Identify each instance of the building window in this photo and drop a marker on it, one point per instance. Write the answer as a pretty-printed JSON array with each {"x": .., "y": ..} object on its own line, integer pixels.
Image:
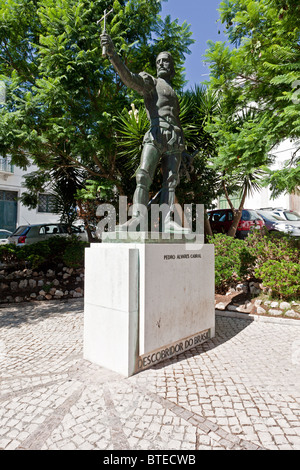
[
  {"x": 5, "y": 165},
  {"x": 46, "y": 203},
  {"x": 8, "y": 196}
]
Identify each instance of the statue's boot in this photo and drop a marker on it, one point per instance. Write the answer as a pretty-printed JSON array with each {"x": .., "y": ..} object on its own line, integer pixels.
[
  {"x": 135, "y": 224},
  {"x": 168, "y": 196},
  {"x": 170, "y": 226},
  {"x": 139, "y": 220}
]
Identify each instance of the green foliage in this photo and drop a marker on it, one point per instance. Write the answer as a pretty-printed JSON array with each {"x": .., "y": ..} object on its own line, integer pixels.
[
  {"x": 73, "y": 256},
  {"x": 273, "y": 246},
  {"x": 258, "y": 73},
  {"x": 282, "y": 278},
  {"x": 63, "y": 96},
  {"x": 233, "y": 261},
  {"x": 131, "y": 128},
  {"x": 8, "y": 254},
  {"x": 277, "y": 263},
  {"x": 272, "y": 258},
  {"x": 198, "y": 107},
  {"x": 48, "y": 252},
  {"x": 96, "y": 190}
]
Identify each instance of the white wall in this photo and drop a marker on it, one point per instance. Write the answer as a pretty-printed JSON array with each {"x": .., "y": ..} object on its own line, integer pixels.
[
  {"x": 262, "y": 199},
  {"x": 13, "y": 182}
]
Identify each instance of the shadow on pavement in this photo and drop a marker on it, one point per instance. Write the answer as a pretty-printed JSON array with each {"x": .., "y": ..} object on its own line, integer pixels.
[
  {"x": 234, "y": 326},
  {"x": 14, "y": 316}
]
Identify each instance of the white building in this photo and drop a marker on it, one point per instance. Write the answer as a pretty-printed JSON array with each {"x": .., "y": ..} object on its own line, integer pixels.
[
  {"x": 262, "y": 199},
  {"x": 12, "y": 212}
]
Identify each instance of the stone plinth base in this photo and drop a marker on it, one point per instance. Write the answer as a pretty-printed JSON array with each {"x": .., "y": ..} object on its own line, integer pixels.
[{"x": 146, "y": 302}]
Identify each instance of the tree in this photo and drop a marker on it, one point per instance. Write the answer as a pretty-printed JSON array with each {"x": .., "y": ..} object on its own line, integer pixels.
[
  {"x": 241, "y": 154},
  {"x": 62, "y": 96},
  {"x": 260, "y": 73},
  {"x": 62, "y": 182}
]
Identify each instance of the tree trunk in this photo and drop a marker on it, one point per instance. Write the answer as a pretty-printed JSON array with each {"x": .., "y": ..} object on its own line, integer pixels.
[
  {"x": 89, "y": 233},
  {"x": 207, "y": 227},
  {"x": 85, "y": 222},
  {"x": 237, "y": 215}
]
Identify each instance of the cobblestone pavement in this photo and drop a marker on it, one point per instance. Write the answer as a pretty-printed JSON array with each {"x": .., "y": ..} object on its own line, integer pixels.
[{"x": 240, "y": 390}]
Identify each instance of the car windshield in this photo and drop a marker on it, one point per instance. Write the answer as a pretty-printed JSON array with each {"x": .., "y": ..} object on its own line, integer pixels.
[
  {"x": 267, "y": 215},
  {"x": 3, "y": 234},
  {"x": 249, "y": 215},
  {"x": 292, "y": 216},
  {"x": 22, "y": 230}
]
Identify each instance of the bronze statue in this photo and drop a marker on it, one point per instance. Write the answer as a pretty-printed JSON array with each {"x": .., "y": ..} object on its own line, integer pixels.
[{"x": 165, "y": 140}]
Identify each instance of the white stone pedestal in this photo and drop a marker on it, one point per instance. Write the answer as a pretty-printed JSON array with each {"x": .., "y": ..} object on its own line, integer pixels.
[{"x": 146, "y": 302}]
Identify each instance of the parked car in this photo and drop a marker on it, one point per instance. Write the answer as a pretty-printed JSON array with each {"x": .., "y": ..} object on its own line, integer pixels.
[
  {"x": 221, "y": 220},
  {"x": 4, "y": 234},
  {"x": 28, "y": 234},
  {"x": 284, "y": 214},
  {"x": 276, "y": 223}
]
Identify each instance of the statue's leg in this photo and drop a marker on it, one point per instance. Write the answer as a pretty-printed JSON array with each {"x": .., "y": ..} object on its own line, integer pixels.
[
  {"x": 170, "y": 167},
  {"x": 144, "y": 176}
]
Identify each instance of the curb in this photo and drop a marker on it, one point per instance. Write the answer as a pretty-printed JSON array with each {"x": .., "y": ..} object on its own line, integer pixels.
[{"x": 261, "y": 318}]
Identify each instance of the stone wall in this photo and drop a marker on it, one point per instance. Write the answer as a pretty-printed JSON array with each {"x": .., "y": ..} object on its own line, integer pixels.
[{"x": 29, "y": 285}]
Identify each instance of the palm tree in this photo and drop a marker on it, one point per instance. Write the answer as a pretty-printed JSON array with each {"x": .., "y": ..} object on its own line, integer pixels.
[
  {"x": 241, "y": 176},
  {"x": 251, "y": 182}
]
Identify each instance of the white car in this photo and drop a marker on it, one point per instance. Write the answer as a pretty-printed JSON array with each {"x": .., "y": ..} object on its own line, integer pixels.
[
  {"x": 4, "y": 234},
  {"x": 287, "y": 221},
  {"x": 28, "y": 234},
  {"x": 290, "y": 216}
]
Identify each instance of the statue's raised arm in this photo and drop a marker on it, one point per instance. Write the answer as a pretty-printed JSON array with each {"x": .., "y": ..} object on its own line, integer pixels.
[{"x": 142, "y": 82}]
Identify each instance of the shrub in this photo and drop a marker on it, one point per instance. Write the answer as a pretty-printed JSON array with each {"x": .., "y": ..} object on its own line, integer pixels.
[
  {"x": 48, "y": 252},
  {"x": 277, "y": 262},
  {"x": 8, "y": 254},
  {"x": 281, "y": 277},
  {"x": 233, "y": 261},
  {"x": 273, "y": 246},
  {"x": 73, "y": 256},
  {"x": 272, "y": 258}
]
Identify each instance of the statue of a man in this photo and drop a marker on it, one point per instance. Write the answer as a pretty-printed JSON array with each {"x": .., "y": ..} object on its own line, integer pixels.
[{"x": 165, "y": 140}]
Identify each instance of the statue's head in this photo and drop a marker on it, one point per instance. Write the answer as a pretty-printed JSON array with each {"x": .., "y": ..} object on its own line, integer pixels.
[{"x": 165, "y": 65}]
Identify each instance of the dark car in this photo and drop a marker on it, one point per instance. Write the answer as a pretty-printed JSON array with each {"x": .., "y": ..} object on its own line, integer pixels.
[
  {"x": 269, "y": 219},
  {"x": 221, "y": 220}
]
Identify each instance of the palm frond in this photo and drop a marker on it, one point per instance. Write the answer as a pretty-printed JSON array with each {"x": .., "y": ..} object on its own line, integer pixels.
[{"x": 130, "y": 130}]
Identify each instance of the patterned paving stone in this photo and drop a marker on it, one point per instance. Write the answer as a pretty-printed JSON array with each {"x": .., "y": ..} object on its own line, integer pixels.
[{"x": 240, "y": 390}]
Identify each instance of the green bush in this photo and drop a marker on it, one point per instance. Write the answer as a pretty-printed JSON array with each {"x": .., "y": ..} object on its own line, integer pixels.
[
  {"x": 73, "y": 256},
  {"x": 272, "y": 258},
  {"x": 277, "y": 262},
  {"x": 273, "y": 246},
  {"x": 8, "y": 254},
  {"x": 281, "y": 277},
  {"x": 48, "y": 252},
  {"x": 233, "y": 261}
]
